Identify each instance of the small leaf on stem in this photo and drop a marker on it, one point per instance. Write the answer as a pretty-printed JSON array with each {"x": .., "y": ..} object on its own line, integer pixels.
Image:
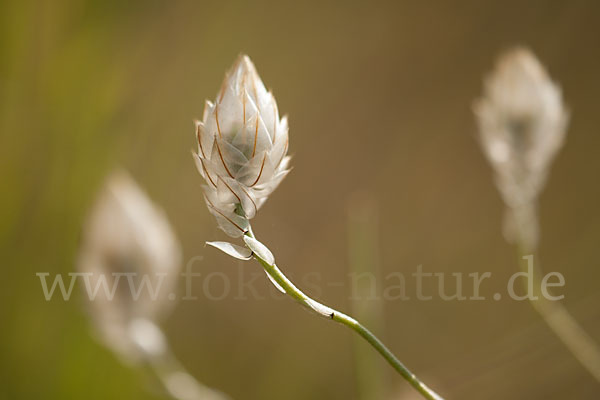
[
  {"x": 260, "y": 250},
  {"x": 239, "y": 252}
]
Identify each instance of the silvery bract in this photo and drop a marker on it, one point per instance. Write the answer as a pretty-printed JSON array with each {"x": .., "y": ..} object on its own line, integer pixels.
[
  {"x": 522, "y": 124},
  {"x": 242, "y": 147},
  {"x": 131, "y": 260}
]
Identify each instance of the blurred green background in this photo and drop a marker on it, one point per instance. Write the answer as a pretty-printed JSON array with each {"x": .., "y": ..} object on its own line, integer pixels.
[{"x": 379, "y": 96}]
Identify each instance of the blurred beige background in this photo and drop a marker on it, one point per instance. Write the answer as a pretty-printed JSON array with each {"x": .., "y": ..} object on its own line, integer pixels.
[{"x": 379, "y": 98}]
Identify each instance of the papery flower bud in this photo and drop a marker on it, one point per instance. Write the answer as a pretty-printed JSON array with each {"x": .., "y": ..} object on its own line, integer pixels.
[
  {"x": 242, "y": 148},
  {"x": 130, "y": 258},
  {"x": 522, "y": 124}
]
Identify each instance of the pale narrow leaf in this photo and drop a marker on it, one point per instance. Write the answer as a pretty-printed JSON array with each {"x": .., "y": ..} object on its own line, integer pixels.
[
  {"x": 239, "y": 252},
  {"x": 260, "y": 250},
  {"x": 320, "y": 308}
]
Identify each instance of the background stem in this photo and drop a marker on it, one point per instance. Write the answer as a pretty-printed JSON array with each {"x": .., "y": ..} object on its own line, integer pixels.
[
  {"x": 174, "y": 378},
  {"x": 366, "y": 304},
  {"x": 560, "y": 321}
]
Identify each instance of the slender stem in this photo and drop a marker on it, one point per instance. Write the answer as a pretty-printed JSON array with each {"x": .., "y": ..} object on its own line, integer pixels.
[
  {"x": 363, "y": 259},
  {"x": 329, "y": 313},
  {"x": 560, "y": 321},
  {"x": 176, "y": 381}
]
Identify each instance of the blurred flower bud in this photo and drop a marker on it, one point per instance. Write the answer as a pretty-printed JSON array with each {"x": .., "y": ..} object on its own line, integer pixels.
[
  {"x": 130, "y": 258},
  {"x": 242, "y": 147},
  {"x": 522, "y": 125}
]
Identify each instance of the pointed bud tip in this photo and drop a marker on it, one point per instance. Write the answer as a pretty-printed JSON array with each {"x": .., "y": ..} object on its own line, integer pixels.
[
  {"x": 521, "y": 58},
  {"x": 241, "y": 62}
]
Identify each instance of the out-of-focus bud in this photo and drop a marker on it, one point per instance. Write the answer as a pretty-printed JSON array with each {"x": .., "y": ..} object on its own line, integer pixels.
[
  {"x": 130, "y": 259},
  {"x": 522, "y": 125},
  {"x": 242, "y": 148}
]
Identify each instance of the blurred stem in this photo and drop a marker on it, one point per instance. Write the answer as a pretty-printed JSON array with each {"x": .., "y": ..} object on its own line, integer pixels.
[
  {"x": 366, "y": 305},
  {"x": 176, "y": 381},
  {"x": 349, "y": 322},
  {"x": 560, "y": 321}
]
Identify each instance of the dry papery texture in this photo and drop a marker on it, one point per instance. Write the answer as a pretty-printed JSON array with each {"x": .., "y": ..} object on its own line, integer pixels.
[{"x": 242, "y": 147}]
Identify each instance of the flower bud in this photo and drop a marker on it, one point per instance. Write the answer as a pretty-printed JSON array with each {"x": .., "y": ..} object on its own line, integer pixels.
[
  {"x": 242, "y": 148},
  {"x": 522, "y": 124},
  {"x": 130, "y": 260}
]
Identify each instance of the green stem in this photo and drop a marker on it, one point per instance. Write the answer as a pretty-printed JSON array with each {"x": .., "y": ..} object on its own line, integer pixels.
[
  {"x": 348, "y": 321},
  {"x": 560, "y": 321},
  {"x": 363, "y": 259}
]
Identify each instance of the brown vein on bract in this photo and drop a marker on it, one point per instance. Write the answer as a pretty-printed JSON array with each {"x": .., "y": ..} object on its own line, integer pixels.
[
  {"x": 222, "y": 93},
  {"x": 244, "y": 94},
  {"x": 231, "y": 190},
  {"x": 199, "y": 138},
  {"x": 223, "y": 215},
  {"x": 287, "y": 143},
  {"x": 255, "y": 135},
  {"x": 256, "y": 95},
  {"x": 206, "y": 172},
  {"x": 261, "y": 170},
  {"x": 217, "y": 118},
  {"x": 250, "y": 70},
  {"x": 221, "y": 157},
  {"x": 250, "y": 197},
  {"x": 244, "y": 97}
]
